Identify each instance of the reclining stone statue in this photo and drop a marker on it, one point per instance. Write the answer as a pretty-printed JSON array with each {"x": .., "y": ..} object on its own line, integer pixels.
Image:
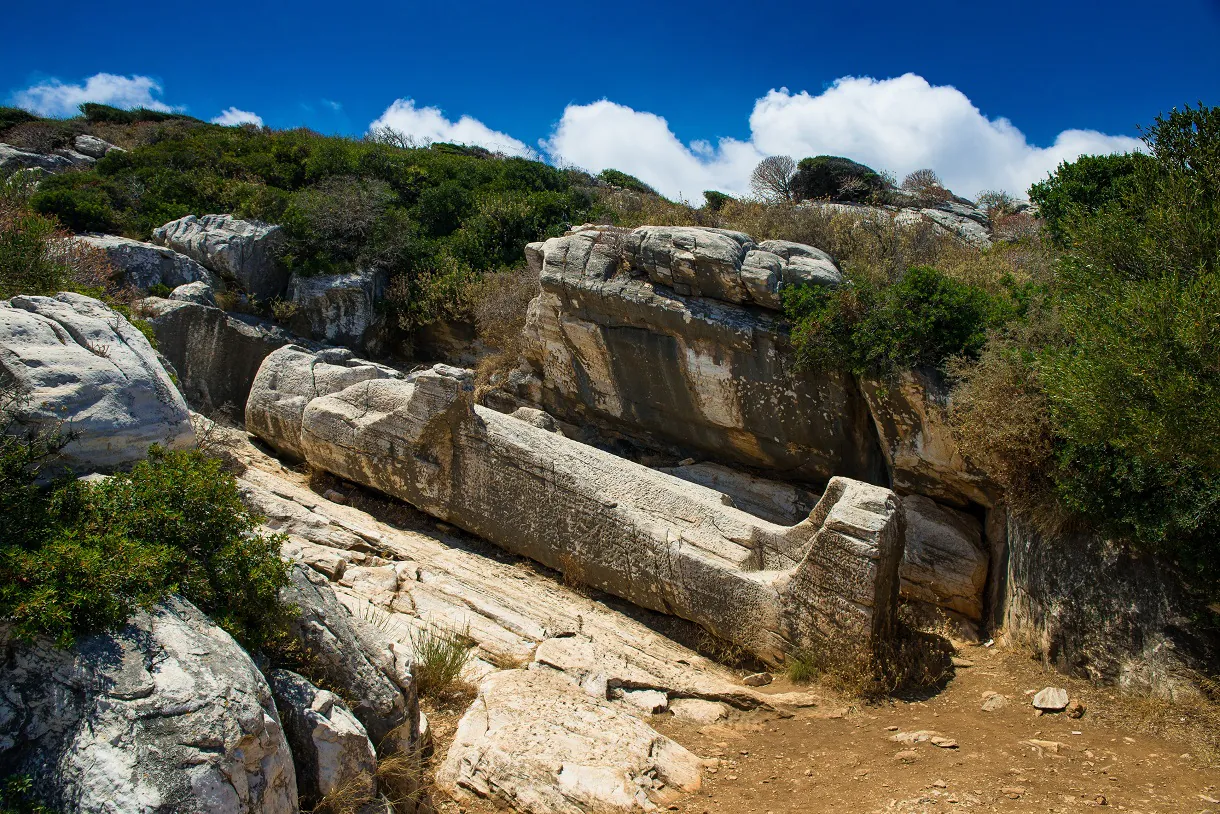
[{"x": 658, "y": 541}]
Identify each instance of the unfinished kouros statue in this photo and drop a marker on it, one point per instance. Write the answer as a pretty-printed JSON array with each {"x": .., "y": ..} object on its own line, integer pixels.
[{"x": 656, "y": 540}]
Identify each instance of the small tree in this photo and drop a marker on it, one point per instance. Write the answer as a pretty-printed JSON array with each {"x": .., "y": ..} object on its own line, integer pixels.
[
  {"x": 772, "y": 178},
  {"x": 925, "y": 185},
  {"x": 995, "y": 202}
]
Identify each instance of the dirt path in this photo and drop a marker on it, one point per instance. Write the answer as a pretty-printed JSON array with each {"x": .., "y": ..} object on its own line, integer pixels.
[{"x": 843, "y": 758}]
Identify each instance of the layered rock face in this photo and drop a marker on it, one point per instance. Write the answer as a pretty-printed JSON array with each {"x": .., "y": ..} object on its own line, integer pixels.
[
  {"x": 655, "y": 540},
  {"x": 216, "y": 354},
  {"x": 144, "y": 265},
  {"x": 239, "y": 250},
  {"x": 13, "y": 159},
  {"x": 79, "y": 367},
  {"x": 615, "y": 342},
  {"x": 167, "y": 714}
]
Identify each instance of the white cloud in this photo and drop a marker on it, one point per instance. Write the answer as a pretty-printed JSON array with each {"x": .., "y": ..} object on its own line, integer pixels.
[
  {"x": 55, "y": 98},
  {"x": 429, "y": 124},
  {"x": 231, "y": 115},
  {"x": 899, "y": 124}
]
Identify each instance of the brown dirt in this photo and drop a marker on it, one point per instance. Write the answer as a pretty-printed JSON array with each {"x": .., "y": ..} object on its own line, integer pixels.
[{"x": 841, "y": 756}]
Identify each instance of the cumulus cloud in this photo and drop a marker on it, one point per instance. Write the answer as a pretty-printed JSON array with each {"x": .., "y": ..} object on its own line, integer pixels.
[
  {"x": 898, "y": 124},
  {"x": 428, "y": 124},
  {"x": 232, "y": 115},
  {"x": 55, "y": 98}
]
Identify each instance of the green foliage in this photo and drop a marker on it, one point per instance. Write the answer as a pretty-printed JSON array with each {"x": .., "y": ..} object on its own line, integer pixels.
[
  {"x": 922, "y": 319},
  {"x": 1083, "y": 187},
  {"x": 714, "y": 200},
  {"x": 95, "y": 113},
  {"x": 622, "y": 179},
  {"x": 12, "y": 116},
  {"x": 17, "y": 796},
  {"x": 836, "y": 178},
  {"x": 440, "y": 655},
  {"x": 81, "y": 557},
  {"x": 1119, "y": 367},
  {"x": 344, "y": 204}
]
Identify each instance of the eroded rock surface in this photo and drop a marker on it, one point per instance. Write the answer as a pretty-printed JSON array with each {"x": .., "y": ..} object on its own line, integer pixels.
[
  {"x": 614, "y": 342},
  {"x": 340, "y": 309},
  {"x": 144, "y": 265},
  {"x": 243, "y": 251},
  {"x": 538, "y": 744},
  {"x": 84, "y": 369},
  {"x": 167, "y": 714},
  {"x": 330, "y": 749},
  {"x": 945, "y": 563},
  {"x": 216, "y": 354}
]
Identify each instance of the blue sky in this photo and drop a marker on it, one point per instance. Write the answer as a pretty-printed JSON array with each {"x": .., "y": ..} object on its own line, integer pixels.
[{"x": 988, "y": 94}]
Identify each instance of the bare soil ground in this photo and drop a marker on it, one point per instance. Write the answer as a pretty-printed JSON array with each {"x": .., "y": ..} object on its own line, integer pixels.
[{"x": 843, "y": 757}]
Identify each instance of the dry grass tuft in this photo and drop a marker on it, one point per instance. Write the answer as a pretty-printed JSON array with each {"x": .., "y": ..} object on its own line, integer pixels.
[{"x": 440, "y": 654}]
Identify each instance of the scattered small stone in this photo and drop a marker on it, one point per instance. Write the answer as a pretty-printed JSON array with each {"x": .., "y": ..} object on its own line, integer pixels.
[
  {"x": 1051, "y": 699},
  {"x": 940, "y": 784},
  {"x": 444, "y": 528},
  {"x": 1012, "y": 792},
  {"x": 907, "y": 756},
  {"x": 1101, "y": 800},
  {"x": 961, "y": 663},
  {"x": 944, "y": 743},
  {"x": 334, "y": 496},
  {"x": 891, "y": 729},
  {"x": 994, "y": 702},
  {"x": 1050, "y": 746},
  {"x": 686, "y": 462},
  {"x": 763, "y": 679},
  {"x": 1075, "y": 708}
]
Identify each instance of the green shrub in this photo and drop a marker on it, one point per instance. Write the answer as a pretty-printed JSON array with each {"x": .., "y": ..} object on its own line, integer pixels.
[
  {"x": 1082, "y": 187},
  {"x": 439, "y": 656},
  {"x": 622, "y": 179},
  {"x": 17, "y": 796},
  {"x": 79, "y": 557},
  {"x": 94, "y": 112},
  {"x": 836, "y": 178},
  {"x": 714, "y": 200},
  {"x": 79, "y": 201},
  {"x": 923, "y": 319},
  {"x": 12, "y": 116}
]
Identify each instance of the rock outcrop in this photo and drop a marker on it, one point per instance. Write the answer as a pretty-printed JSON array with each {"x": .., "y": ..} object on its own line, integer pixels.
[
  {"x": 167, "y": 714},
  {"x": 330, "y": 749},
  {"x": 1095, "y": 609},
  {"x": 384, "y": 699},
  {"x": 340, "y": 309},
  {"x": 945, "y": 562},
  {"x": 198, "y": 293},
  {"x": 614, "y": 342},
  {"x": 216, "y": 354},
  {"x": 144, "y": 265},
  {"x": 93, "y": 146},
  {"x": 80, "y": 367},
  {"x": 13, "y": 159},
  {"x": 658, "y": 541},
  {"x": 536, "y": 743},
  {"x": 242, "y": 251}
]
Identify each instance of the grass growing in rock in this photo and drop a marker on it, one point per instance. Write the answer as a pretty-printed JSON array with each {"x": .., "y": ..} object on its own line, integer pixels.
[{"x": 440, "y": 655}]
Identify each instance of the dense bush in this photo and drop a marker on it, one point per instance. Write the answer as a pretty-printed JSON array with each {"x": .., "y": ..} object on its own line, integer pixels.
[
  {"x": 836, "y": 178},
  {"x": 621, "y": 179},
  {"x": 1083, "y": 187},
  {"x": 1121, "y": 361},
  {"x": 435, "y": 218},
  {"x": 714, "y": 200},
  {"x": 922, "y": 319},
  {"x": 94, "y": 112},
  {"x": 11, "y": 116},
  {"x": 80, "y": 557}
]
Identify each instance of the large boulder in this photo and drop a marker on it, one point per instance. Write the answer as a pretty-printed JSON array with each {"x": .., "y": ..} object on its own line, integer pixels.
[
  {"x": 216, "y": 354},
  {"x": 242, "y": 251},
  {"x": 536, "y": 743},
  {"x": 340, "y": 309},
  {"x": 79, "y": 366},
  {"x": 706, "y": 376},
  {"x": 144, "y": 265},
  {"x": 330, "y": 749},
  {"x": 93, "y": 146},
  {"x": 339, "y": 651},
  {"x": 293, "y": 376},
  {"x": 167, "y": 714}
]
